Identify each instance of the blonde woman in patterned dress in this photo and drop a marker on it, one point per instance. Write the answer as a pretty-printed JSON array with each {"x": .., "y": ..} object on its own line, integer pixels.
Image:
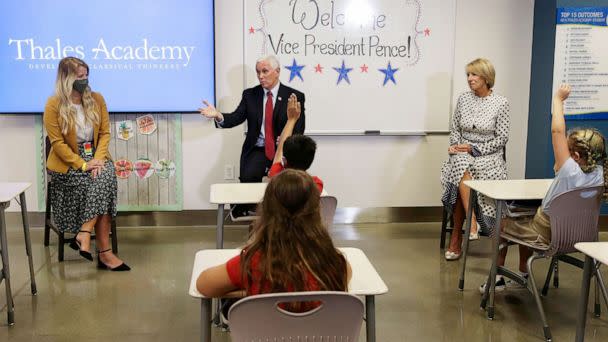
[
  {"x": 478, "y": 134},
  {"x": 84, "y": 191}
]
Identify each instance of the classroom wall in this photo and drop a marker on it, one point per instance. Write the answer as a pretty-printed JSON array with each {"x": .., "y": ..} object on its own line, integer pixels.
[
  {"x": 539, "y": 151},
  {"x": 18, "y": 155},
  {"x": 361, "y": 171}
]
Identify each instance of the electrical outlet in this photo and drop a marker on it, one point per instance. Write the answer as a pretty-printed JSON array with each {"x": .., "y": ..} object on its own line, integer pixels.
[{"x": 228, "y": 171}]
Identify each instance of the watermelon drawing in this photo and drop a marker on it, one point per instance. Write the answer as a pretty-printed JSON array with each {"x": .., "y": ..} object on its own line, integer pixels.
[
  {"x": 123, "y": 168},
  {"x": 143, "y": 168}
]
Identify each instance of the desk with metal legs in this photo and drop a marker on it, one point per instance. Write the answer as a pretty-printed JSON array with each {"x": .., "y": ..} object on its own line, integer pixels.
[
  {"x": 233, "y": 193},
  {"x": 594, "y": 252},
  {"x": 501, "y": 191},
  {"x": 9, "y": 191},
  {"x": 365, "y": 281}
]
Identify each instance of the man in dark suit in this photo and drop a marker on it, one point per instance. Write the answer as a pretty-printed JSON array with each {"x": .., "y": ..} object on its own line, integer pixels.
[{"x": 265, "y": 109}]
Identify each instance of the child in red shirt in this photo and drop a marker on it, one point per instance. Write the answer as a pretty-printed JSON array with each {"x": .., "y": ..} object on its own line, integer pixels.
[
  {"x": 294, "y": 151},
  {"x": 290, "y": 249}
]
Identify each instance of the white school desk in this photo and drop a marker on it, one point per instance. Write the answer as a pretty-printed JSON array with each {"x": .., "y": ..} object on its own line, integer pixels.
[
  {"x": 234, "y": 193},
  {"x": 8, "y": 191},
  {"x": 597, "y": 251},
  {"x": 501, "y": 191},
  {"x": 365, "y": 281}
]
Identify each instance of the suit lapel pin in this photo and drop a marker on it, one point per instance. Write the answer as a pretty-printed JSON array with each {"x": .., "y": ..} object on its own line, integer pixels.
[{"x": 279, "y": 98}]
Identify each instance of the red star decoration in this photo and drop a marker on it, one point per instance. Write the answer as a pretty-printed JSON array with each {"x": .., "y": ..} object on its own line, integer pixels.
[
  {"x": 427, "y": 31},
  {"x": 251, "y": 30},
  {"x": 319, "y": 68},
  {"x": 363, "y": 68}
]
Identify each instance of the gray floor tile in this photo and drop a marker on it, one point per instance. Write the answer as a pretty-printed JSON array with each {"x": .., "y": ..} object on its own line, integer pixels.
[{"x": 76, "y": 301}]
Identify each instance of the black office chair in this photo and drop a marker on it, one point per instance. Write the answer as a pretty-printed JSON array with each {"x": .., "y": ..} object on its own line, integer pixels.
[
  {"x": 50, "y": 225},
  {"x": 446, "y": 217}
]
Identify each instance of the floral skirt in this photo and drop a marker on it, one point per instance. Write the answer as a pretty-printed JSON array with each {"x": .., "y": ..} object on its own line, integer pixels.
[{"x": 76, "y": 197}]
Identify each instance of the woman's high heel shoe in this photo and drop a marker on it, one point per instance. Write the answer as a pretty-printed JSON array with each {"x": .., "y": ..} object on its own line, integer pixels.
[
  {"x": 102, "y": 266},
  {"x": 75, "y": 245}
]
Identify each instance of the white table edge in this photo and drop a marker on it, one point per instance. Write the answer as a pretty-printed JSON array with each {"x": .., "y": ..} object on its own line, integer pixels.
[
  {"x": 193, "y": 292},
  {"x": 591, "y": 249},
  {"x": 213, "y": 198},
  {"x": 19, "y": 188},
  {"x": 479, "y": 186}
]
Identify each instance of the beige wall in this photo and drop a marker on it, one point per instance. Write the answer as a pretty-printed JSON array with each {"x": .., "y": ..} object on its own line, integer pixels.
[
  {"x": 18, "y": 154},
  {"x": 360, "y": 171}
]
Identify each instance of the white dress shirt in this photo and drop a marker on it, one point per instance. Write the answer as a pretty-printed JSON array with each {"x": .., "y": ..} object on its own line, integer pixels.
[{"x": 84, "y": 130}]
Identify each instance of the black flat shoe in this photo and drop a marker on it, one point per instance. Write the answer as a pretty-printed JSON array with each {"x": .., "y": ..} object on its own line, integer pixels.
[
  {"x": 120, "y": 268},
  {"x": 75, "y": 245}
]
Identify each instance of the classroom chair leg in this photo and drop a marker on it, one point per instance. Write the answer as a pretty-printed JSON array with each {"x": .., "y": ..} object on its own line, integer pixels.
[
  {"x": 444, "y": 224},
  {"x": 61, "y": 243},
  {"x": 556, "y": 277},
  {"x": 539, "y": 304},
  {"x": 545, "y": 289}
]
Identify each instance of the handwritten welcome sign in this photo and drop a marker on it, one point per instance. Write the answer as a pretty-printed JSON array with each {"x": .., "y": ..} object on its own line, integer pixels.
[{"x": 356, "y": 60}]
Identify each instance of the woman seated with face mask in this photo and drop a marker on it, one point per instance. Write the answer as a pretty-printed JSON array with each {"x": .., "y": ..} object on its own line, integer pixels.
[{"x": 84, "y": 191}]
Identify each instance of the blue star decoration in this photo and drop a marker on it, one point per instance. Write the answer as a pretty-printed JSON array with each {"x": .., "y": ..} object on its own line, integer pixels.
[
  {"x": 343, "y": 73},
  {"x": 389, "y": 74},
  {"x": 294, "y": 70}
]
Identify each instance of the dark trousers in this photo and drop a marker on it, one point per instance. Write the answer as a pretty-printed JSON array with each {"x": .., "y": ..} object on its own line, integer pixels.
[{"x": 254, "y": 166}]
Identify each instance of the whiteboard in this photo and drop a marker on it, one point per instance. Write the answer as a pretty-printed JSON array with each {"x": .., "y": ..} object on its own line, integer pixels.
[{"x": 364, "y": 65}]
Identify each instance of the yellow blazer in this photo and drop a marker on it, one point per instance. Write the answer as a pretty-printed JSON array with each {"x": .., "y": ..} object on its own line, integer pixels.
[{"x": 64, "y": 148}]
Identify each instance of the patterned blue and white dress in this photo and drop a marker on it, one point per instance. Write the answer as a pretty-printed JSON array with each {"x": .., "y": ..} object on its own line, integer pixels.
[{"x": 483, "y": 123}]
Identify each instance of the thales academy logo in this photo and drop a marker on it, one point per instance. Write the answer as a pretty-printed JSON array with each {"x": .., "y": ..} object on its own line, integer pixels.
[{"x": 139, "y": 52}]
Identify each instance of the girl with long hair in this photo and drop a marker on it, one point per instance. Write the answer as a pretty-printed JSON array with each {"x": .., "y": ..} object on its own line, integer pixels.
[{"x": 290, "y": 249}]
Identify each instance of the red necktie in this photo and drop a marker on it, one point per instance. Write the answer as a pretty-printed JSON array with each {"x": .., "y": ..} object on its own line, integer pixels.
[{"x": 268, "y": 132}]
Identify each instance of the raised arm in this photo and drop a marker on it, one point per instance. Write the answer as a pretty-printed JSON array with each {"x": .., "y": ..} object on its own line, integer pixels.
[
  {"x": 294, "y": 110},
  {"x": 558, "y": 127}
]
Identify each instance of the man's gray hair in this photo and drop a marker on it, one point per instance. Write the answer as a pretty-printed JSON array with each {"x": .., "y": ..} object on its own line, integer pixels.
[{"x": 270, "y": 59}]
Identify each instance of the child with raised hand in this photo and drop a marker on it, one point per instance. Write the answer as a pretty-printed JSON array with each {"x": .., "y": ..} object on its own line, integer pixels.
[
  {"x": 580, "y": 162},
  {"x": 294, "y": 151},
  {"x": 290, "y": 249}
]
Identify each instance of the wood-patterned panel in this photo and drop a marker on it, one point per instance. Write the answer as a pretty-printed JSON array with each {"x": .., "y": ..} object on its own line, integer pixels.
[{"x": 152, "y": 193}]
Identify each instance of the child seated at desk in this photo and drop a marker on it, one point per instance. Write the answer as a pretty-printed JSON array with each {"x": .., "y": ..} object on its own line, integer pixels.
[
  {"x": 580, "y": 162},
  {"x": 294, "y": 151},
  {"x": 290, "y": 249}
]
